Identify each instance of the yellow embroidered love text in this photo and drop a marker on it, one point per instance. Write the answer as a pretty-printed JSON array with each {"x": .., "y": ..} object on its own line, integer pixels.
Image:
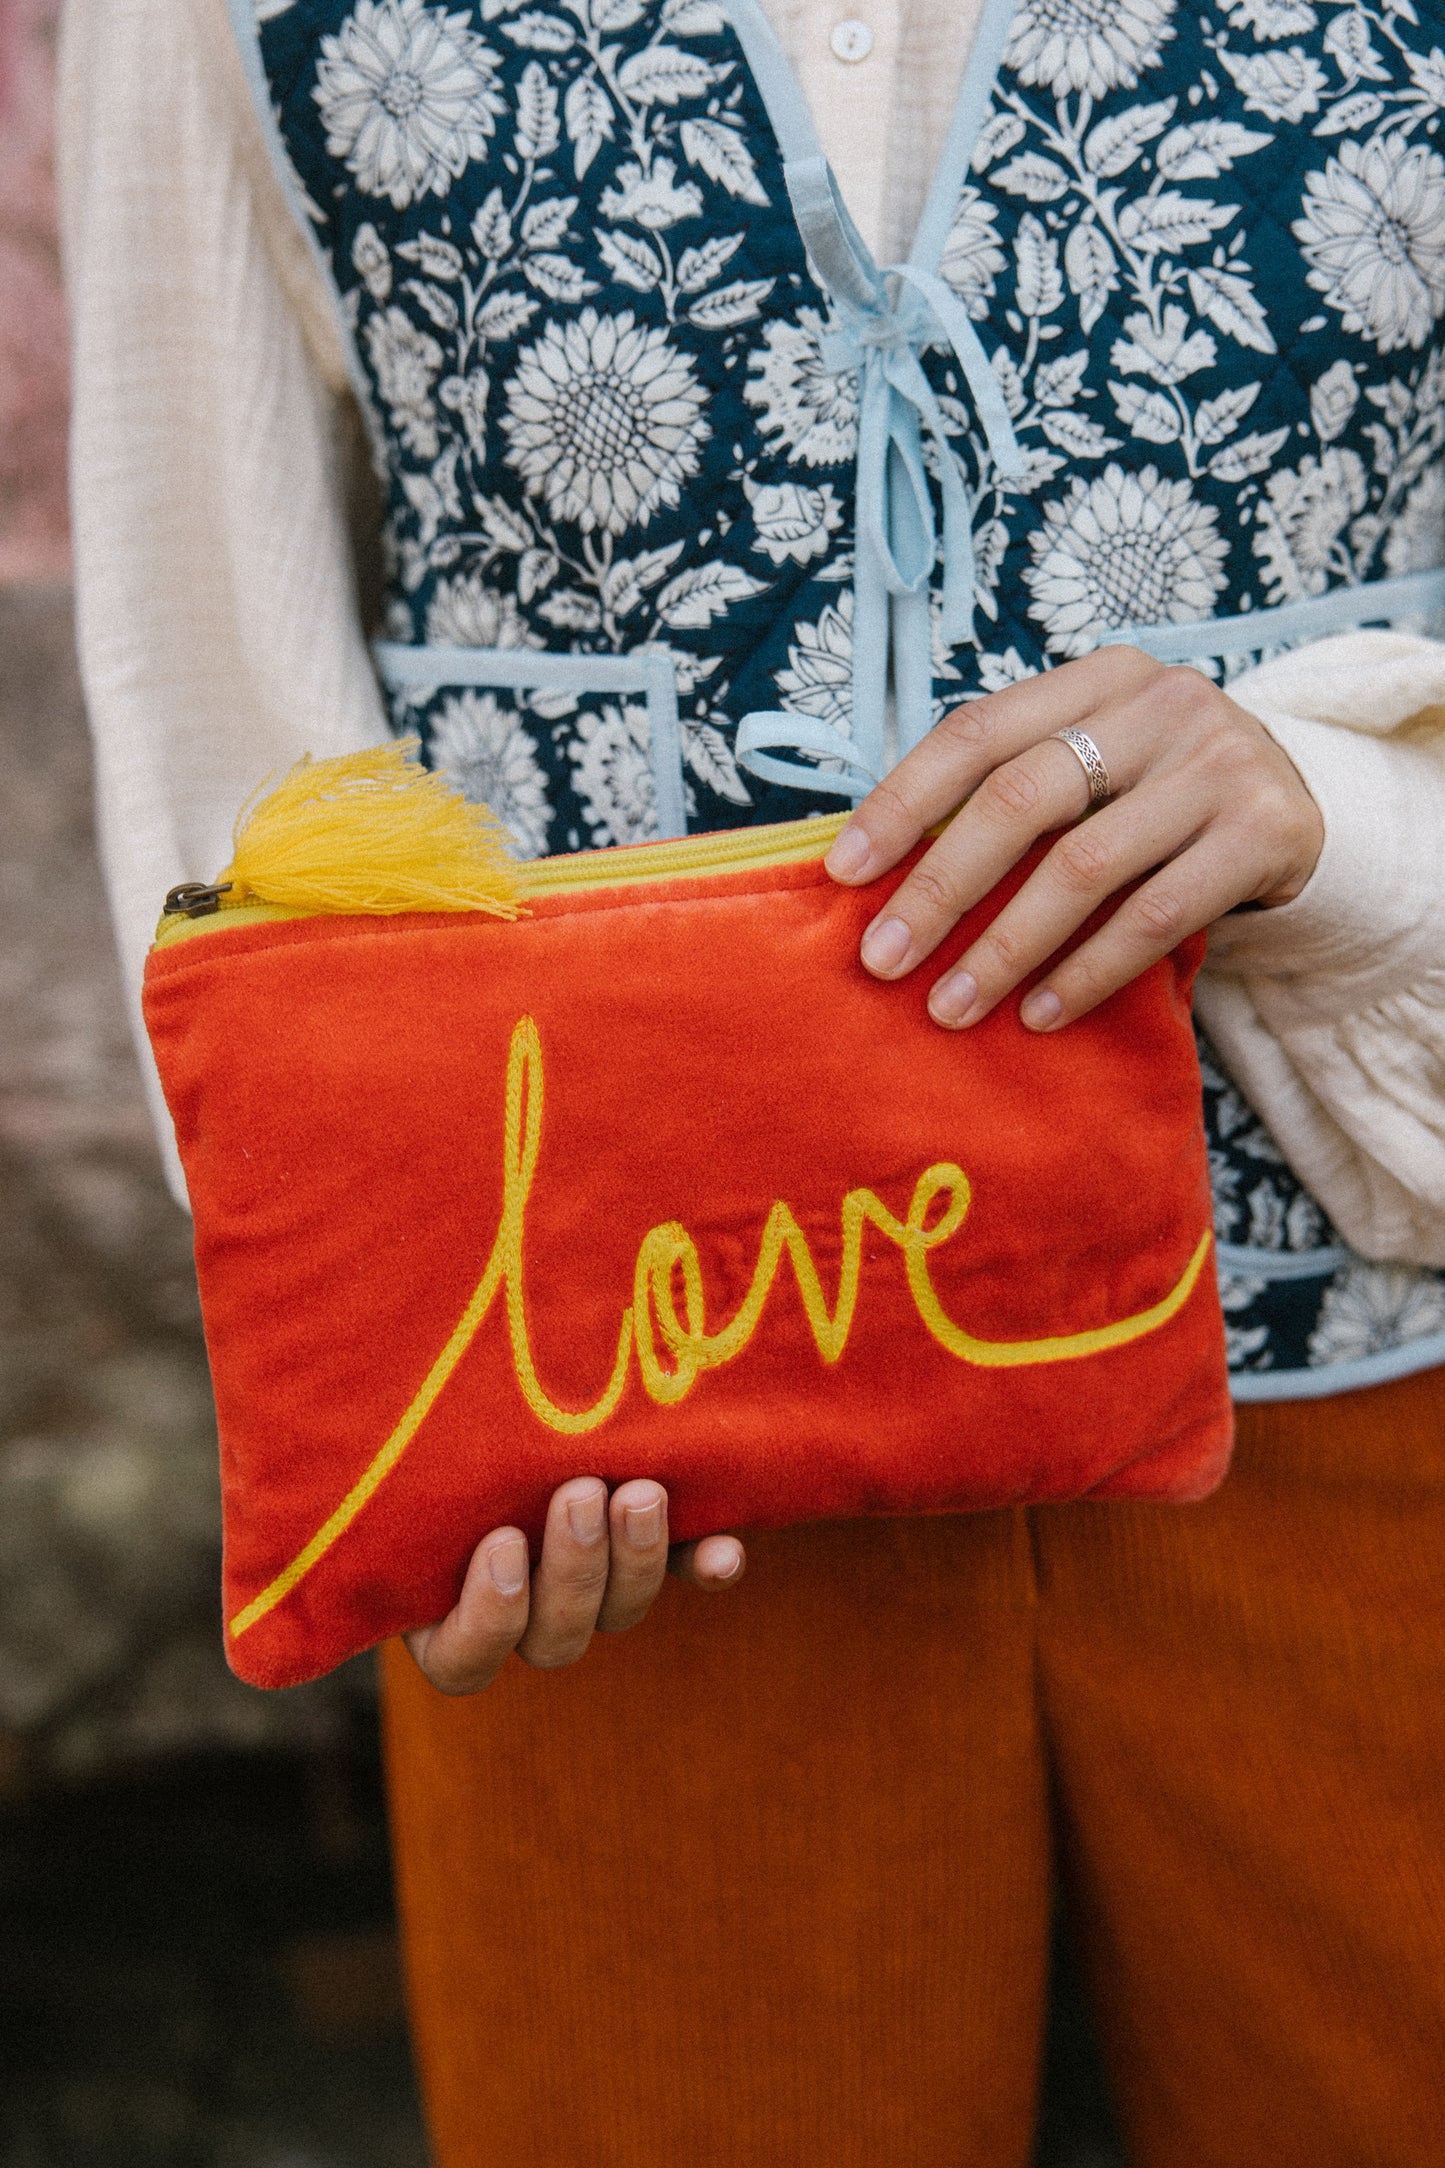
[{"x": 672, "y": 1343}]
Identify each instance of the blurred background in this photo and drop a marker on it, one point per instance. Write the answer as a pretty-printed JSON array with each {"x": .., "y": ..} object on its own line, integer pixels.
[
  {"x": 198, "y": 1963},
  {"x": 197, "y": 1957}
]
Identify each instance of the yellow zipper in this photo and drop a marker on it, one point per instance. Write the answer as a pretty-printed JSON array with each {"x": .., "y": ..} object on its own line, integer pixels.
[{"x": 731, "y": 850}]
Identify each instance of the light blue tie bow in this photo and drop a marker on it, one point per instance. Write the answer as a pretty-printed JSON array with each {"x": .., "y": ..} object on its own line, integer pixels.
[{"x": 897, "y": 534}]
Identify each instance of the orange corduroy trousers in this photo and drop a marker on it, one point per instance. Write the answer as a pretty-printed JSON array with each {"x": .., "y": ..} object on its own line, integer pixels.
[{"x": 766, "y": 1883}]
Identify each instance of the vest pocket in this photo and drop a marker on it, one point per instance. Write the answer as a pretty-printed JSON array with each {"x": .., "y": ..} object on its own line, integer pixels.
[{"x": 413, "y": 673}]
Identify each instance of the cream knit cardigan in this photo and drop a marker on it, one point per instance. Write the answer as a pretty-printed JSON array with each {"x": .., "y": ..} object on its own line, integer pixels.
[{"x": 218, "y": 489}]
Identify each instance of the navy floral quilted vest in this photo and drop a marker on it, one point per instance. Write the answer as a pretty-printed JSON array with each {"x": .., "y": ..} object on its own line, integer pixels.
[{"x": 696, "y": 517}]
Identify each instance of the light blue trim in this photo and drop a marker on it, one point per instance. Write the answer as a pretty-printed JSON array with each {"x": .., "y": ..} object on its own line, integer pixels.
[
  {"x": 659, "y": 682},
  {"x": 897, "y": 536},
  {"x": 897, "y": 541},
  {"x": 797, "y": 137},
  {"x": 1319, "y": 1381},
  {"x": 840, "y": 256},
  {"x": 953, "y": 319},
  {"x": 247, "y": 32},
  {"x": 647, "y": 670},
  {"x": 911, "y": 628},
  {"x": 1341, "y": 610},
  {"x": 980, "y": 76},
  {"x": 1239, "y": 1258},
  {"x": 760, "y": 733},
  {"x": 778, "y": 86},
  {"x": 517, "y": 669},
  {"x": 1425, "y": 1353}
]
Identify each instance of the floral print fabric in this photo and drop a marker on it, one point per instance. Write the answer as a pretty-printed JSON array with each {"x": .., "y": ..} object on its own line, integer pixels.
[
  {"x": 1205, "y": 251},
  {"x": 590, "y": 338},
  {"x": 1293, "y": 1301},
  {"x": 1218, "y": 314}
]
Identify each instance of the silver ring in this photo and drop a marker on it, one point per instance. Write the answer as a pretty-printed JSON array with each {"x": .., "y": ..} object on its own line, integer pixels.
[{"x": 1091, "y": 760}]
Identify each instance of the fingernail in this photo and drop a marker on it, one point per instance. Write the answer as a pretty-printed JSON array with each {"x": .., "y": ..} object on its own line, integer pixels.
[
  {"x": 507, "y": 1564},
  {"x": 1041, "y": 1010},
  {"x": 886, "y": 944},
  {"x": 733, "y": 1570},
  {"x": 850, "y": 854},
  {"x": 644, "y": 1526},
  {"x": 953, "y": 997},
  {"x": 587, "y": 1515}
]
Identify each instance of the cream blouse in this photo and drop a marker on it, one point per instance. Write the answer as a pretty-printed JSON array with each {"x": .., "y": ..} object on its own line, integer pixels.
[{"x": 219, "y": 494}]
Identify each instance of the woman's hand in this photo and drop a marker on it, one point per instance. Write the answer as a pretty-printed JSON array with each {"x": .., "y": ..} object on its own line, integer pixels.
[
  {"x": 602, "y": 1564},
  {"x": 1204, "y": 804}
]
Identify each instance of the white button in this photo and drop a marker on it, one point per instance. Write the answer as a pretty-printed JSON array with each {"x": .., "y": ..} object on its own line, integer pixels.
[{"x": 852, "y": 40}]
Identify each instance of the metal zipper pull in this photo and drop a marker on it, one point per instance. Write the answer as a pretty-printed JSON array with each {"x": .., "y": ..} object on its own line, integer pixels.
[{"x": 193, "y": 899}]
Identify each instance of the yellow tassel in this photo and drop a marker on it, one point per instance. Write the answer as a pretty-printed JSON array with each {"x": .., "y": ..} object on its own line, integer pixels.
[{"x": 371, "y": 832}]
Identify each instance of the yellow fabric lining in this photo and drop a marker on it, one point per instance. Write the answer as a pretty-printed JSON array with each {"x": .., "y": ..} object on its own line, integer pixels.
[{"x": 668, "y": 1251}]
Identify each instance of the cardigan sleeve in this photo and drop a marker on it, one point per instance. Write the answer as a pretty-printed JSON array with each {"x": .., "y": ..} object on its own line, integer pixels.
[
  {"x": 217, "y": 616},
  {"x": 1329, "y": 1012}
]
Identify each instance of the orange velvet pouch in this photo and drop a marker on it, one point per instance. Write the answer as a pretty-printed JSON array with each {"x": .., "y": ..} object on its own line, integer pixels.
[{"x": 654, "y": 1179}]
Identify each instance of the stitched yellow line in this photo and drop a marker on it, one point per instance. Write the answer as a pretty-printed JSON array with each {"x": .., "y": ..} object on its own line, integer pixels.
[
  {"x": 668, "y": 1252},
  {"x": 385, "y": 1460}
]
